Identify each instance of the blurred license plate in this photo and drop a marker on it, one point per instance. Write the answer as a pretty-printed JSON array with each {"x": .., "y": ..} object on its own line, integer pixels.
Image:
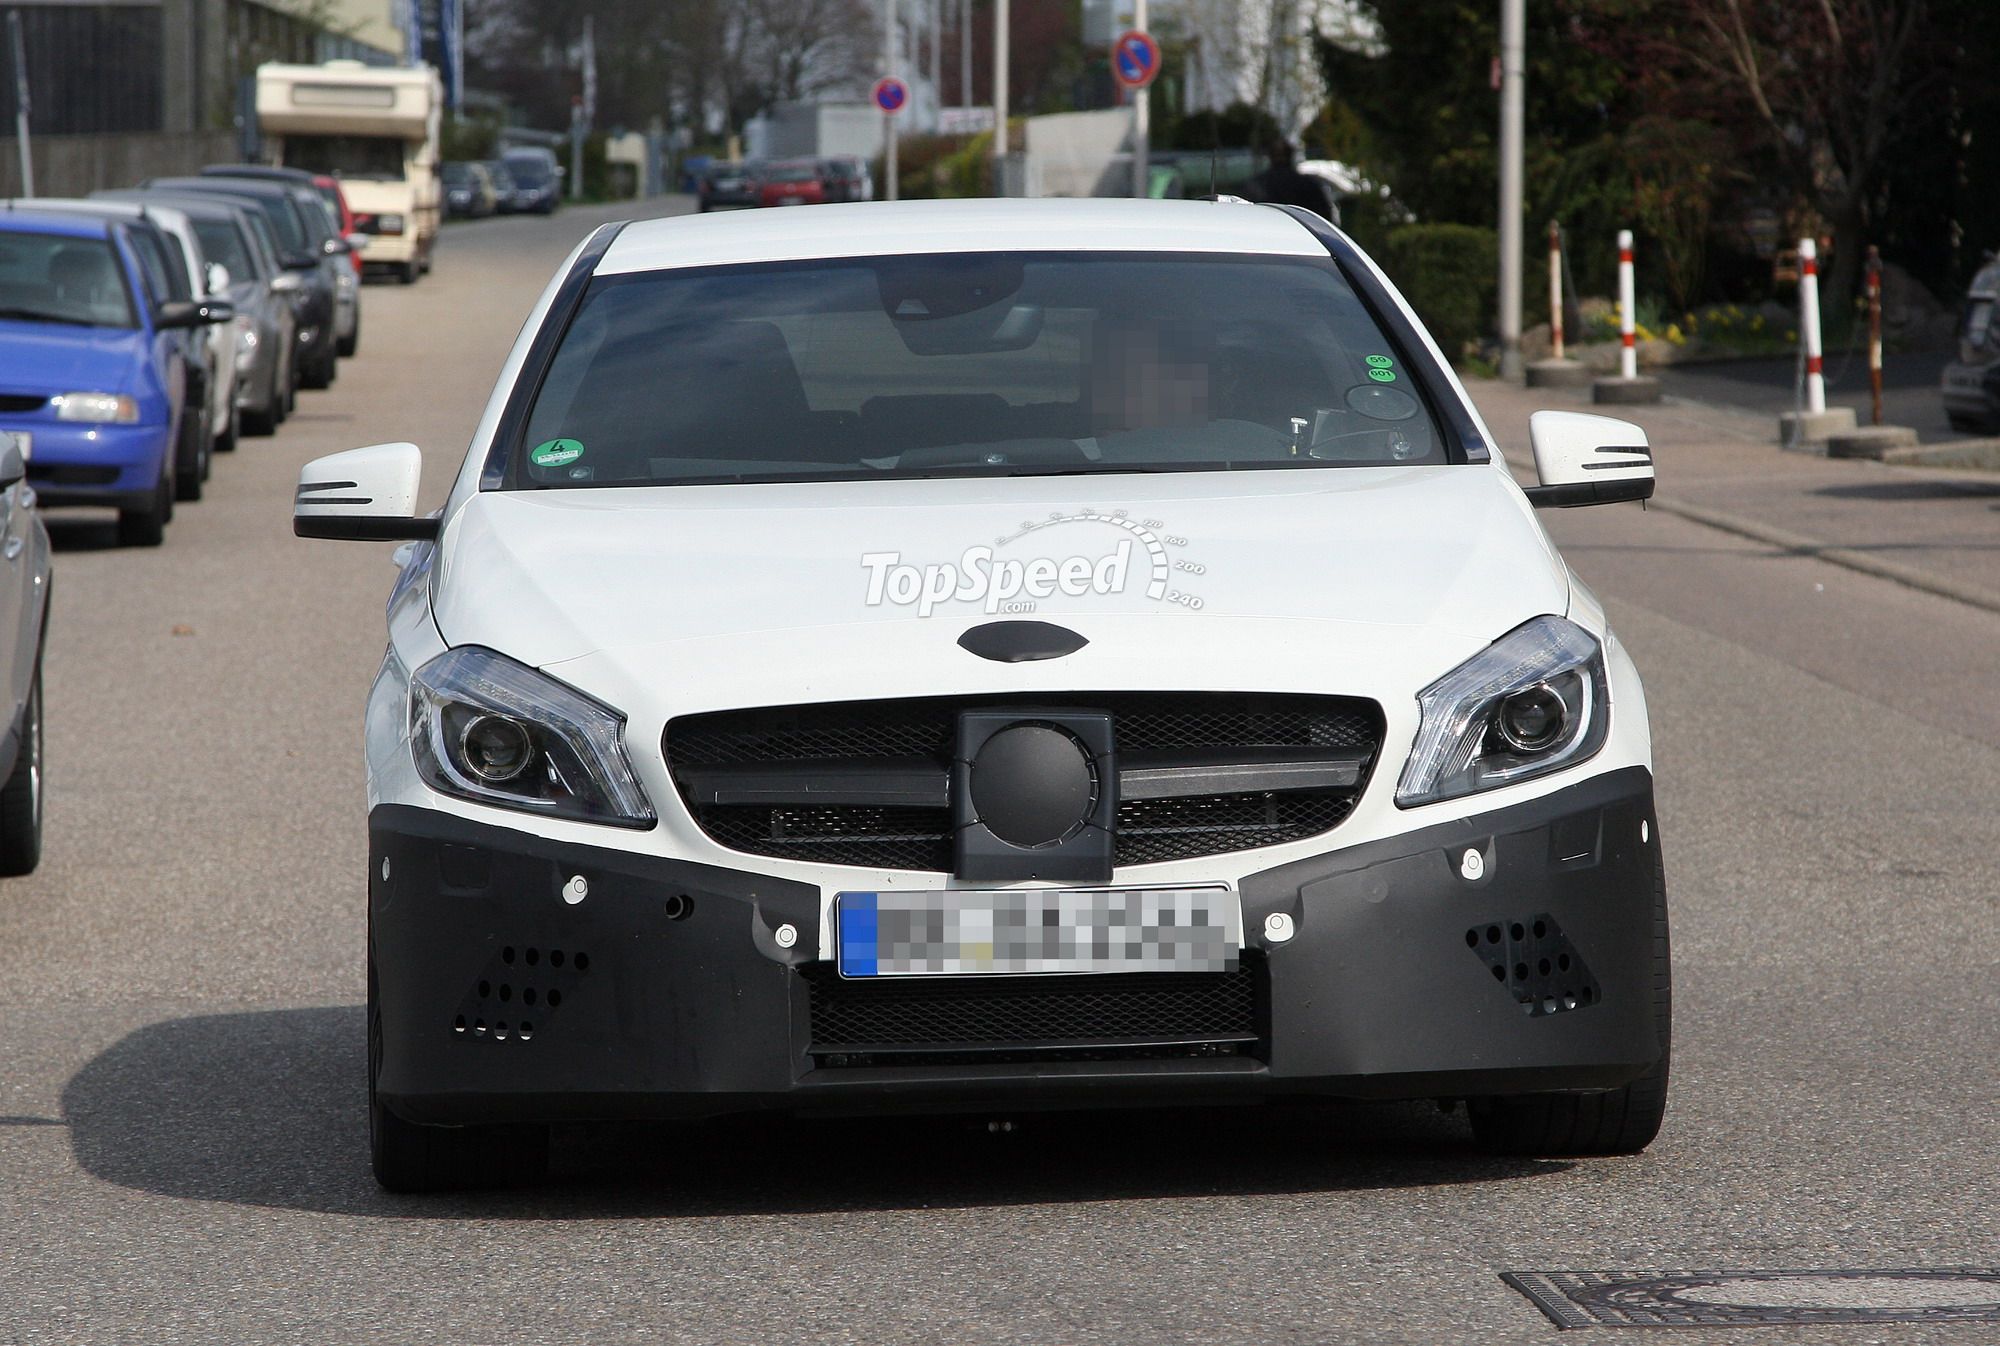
[{"x": 963, "y": 931}]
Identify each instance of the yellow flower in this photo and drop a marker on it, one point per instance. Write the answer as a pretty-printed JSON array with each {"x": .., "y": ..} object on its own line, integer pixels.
[
  {"x": 1791, "y": 336},
  {"x": 1757, "y": 323},
  {"x": 1675, "y": 335}
]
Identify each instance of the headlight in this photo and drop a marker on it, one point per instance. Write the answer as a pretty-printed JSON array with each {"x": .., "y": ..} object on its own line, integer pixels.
[
  {"x": 1533, "y": 702},
  {"x": 488, "y": 729},
  {"x": 100, "y": 407}
]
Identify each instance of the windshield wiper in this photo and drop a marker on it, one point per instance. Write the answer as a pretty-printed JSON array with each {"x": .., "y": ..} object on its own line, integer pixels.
[{"x": 37, "y": 315}]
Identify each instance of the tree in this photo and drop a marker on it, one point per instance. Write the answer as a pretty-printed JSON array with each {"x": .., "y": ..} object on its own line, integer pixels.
[{"x": 1827, "y": 93}]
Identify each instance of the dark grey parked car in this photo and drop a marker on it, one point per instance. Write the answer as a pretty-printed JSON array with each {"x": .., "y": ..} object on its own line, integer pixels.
[
  {"x": 235, "y": 235},
  {"x": 1972, "y": 381},
  {"x": 24, "y": 623},
  {"x": 299, "y": 224}
]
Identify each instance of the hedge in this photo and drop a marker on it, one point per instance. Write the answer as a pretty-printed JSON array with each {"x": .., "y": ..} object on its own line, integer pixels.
[{"x": 1448, "y": 273}]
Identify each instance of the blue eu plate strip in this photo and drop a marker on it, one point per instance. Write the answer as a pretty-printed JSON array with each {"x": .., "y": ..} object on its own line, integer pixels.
[{"x": 857, "y": 934}]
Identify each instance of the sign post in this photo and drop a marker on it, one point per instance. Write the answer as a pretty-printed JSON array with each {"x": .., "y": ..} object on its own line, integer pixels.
[
  {"x": 21, "y": 100},
  {"x": 891, "y": 95},
  {"x": 1135, "y": 64}
]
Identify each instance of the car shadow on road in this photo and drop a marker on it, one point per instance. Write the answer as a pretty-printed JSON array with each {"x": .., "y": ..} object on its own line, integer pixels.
[
  {"x": 93, "y": 531},
  {"x": 1926, "y": 489},
  {"x": 265, "y": 1109}
]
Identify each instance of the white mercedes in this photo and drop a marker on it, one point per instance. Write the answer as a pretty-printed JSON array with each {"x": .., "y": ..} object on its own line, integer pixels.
[{"x": 1001, "y": 654}]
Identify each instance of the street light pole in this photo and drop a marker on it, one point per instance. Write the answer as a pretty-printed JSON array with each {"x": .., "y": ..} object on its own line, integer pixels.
[
  {"x": 1000, "y": 27},
  {"x": 21, "y": 101},
  {"x": 1513, "y": 78}
]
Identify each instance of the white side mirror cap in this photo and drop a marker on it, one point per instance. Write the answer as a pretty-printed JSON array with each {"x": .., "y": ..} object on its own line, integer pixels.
[
  {"x": 1588, "y": 460},
  {"x": 363, "y": 495}
]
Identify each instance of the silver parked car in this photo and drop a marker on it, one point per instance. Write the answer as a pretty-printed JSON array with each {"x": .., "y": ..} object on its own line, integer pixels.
[{"x": 24, "y": 621}]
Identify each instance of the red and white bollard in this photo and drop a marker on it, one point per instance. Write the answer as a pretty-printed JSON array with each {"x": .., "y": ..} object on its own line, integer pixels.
[
  {"x": 1875, "y": 334},
  {"x": 1809, "y": 325},
  {"x": 1555, "y": 291},
  {"x": 1628, "y": 356}
]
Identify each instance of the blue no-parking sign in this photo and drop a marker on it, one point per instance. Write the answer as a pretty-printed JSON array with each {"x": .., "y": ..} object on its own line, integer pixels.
[
  {"x": 890, "y": 95},
  {"x": 1135, "y": 59}
]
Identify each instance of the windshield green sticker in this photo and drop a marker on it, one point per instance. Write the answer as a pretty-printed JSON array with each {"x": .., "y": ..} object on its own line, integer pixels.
[
  {"x": 1382, "y": 375},
  {"x": 555, "y": 453},
  {"x": 1380, "y": 362}
]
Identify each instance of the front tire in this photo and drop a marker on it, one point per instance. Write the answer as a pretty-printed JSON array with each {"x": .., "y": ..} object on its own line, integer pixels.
[
  {"x": 191, "y": 458},
  {"x": 1616, "y": 1121},
  {"x": 21, "y": 795},
  {"x": 351, "y": 343},
  {"x": 148, "y": 527},
  {"x": 411, "y": 1157}
]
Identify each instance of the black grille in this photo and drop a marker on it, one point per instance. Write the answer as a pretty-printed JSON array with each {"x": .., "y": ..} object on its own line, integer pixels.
[
  {"x": 1153, "y": 723},
  {"x": 71, "y": 474},
  {"x": 21, "y": 401},
  {"x": 902, "y": 1019}
]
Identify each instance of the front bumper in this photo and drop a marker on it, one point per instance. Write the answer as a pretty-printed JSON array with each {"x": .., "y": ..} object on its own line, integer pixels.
[
  {"x": 1972, "y": 390},
  {"x": 686, "y": 1005},
  {"x": 74, "y": 463}
]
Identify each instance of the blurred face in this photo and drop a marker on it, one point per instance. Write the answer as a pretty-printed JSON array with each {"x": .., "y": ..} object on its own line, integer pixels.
[{"x": 1138, "y": 383}]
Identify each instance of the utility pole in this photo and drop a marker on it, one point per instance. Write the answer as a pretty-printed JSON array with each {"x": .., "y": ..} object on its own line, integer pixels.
[
  {"x": 1513, "y": 78},
  {"x": 965, "y": 53},
  {"x": 889, "y": 169},
  {"x": 21, "y": 100},
  {"x": 1142, "y": 132},
  {"x": 937, "y": 59},
  {"x": 1000, "y": 27}
]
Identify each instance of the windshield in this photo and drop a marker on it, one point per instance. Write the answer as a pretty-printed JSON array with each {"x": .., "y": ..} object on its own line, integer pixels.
[
  {"x": 347, "y": 156},
  {"x": 58, "y": 279},
  {"x": 530, "y": 170},
  {"x": 971, "y": 364},
  {"x": 221, "y": 243},
  {"x": 791, "y": 173}
]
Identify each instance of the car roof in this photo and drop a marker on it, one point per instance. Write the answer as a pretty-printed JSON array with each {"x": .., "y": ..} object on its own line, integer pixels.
[
  {"x": 232, "y": 186},
  {"x": 878, "y": 229},
  {"x": 195, "y": 205},
  {"x": 267, "y": 172},
  {"x": 54, "y": 222},
  {"x": 166, "y": 215}
]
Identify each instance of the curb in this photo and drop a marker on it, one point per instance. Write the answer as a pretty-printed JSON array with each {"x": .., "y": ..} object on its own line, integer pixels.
[{"x": 1943, "y": 586}]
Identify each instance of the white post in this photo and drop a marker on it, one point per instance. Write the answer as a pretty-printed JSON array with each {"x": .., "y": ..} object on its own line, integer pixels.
[
  {"x": 965, "y": 53},
  {"x": 1513, "y": 119},
  {"x": 1142, "y": 107},
  {"x": 1809, "y": 325},
  {"x": 1001, "y": 24},
  {"x": 1628, "y": 355},
  {"x": 1555, "y": 291},
  {"x": 889, "y": 171}
]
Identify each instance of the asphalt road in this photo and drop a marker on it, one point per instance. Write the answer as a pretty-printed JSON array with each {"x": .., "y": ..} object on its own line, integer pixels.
[{"x": 181, "y": 1128}]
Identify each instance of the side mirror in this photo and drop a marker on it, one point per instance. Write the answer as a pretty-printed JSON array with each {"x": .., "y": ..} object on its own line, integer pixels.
[
  {"x": 178, "y": 313},
  {"x": 286, "y": 282},
  {"x": 1588, "y": 460},
  {"x": 13, "y": 463},
  {"x": 356, "y": 241},
  {"x": 299, "y": 261},
  {"x": 218, "y": 278},
  {"x": 363, "y": 495},
  {"x": 335, "y": 247},
  {"x": 215, "y": 310}
]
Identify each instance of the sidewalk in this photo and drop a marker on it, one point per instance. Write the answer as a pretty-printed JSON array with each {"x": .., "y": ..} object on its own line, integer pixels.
[{"x": 1931, "y": 528}]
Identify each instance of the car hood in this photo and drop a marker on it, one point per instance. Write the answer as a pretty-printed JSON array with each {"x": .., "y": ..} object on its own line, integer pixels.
[
  {"x": 53, "y": 358},
  {"x": 1207, "y": 570}
]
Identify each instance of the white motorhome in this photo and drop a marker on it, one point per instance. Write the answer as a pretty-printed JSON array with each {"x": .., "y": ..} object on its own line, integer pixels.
[{"x": 374, "y": 127}]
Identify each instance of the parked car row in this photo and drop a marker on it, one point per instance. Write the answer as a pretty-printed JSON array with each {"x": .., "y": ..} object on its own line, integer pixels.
[
  {"x": 521, "y": 181},
  {"x": 785, "y": 182},
  {"x": 145, "y": 329}
]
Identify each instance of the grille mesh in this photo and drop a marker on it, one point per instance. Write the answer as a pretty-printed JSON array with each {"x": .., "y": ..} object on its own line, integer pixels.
[
  {"x": 1149, "y": 831},
  {"x": 1051, "y": 1013}
]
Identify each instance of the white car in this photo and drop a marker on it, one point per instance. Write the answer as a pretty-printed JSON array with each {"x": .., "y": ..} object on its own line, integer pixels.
[{"x": 1002, "y": 654}]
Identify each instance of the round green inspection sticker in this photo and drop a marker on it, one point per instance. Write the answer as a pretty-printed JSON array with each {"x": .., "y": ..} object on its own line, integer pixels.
[
  {"x": 1380, "y": 375},
  {"x": 555, "y": 453},
  {"x": 1380, "y": 362}
]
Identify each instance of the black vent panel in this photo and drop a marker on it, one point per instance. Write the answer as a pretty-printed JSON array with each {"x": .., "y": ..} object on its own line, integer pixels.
[
  {"x": 904, "y": 1019},
  {"x": 1156, "y": 725}
]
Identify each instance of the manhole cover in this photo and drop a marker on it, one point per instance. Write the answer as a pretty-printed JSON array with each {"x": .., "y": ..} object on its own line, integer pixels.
[{"x": 1681, "y": 1298}]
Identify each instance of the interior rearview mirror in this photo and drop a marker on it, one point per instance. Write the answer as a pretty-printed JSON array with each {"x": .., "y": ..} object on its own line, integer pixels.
[
  {"x": 1588, "y": 460},
  {"x": 363, "y": 495}
]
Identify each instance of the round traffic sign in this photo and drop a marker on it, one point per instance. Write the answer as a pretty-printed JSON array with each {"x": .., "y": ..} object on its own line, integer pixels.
[
  {"x": 1135, "y": 59},
  {"x": 890, "y": 95}
]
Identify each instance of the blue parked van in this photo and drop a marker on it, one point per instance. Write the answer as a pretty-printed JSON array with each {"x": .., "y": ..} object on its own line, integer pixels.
[{"x": 93, "y": 375}]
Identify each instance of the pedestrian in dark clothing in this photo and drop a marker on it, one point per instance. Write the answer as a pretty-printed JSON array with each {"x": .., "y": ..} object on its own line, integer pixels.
[{"x": 1282, "y": 184}]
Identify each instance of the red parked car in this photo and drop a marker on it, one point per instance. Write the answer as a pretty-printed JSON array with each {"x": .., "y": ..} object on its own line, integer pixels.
[{"x": 793, "y": 183}]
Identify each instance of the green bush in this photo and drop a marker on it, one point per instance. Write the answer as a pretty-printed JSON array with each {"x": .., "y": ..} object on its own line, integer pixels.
[{"x": 1447, "y": 272}]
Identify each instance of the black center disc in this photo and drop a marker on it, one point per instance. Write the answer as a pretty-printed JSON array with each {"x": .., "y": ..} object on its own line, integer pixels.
[{"x": 1032, "y": 785}]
